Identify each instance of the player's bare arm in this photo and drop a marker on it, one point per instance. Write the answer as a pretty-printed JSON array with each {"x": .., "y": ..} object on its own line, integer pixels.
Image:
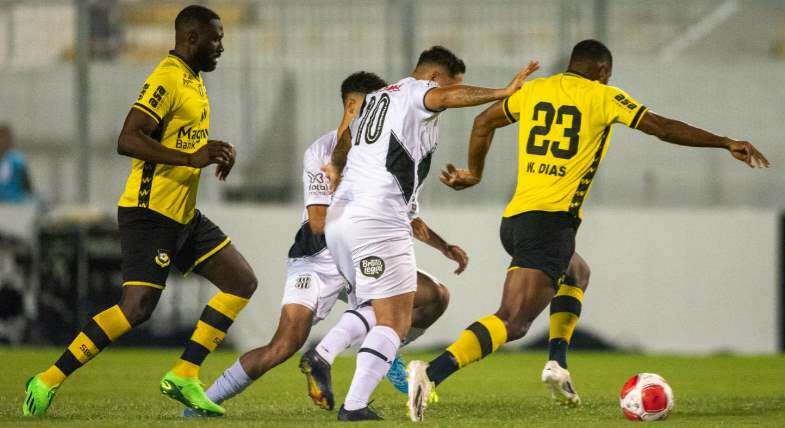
[
  {"x": 457, "y": 96},
  {"x": 334, "y": 169},
  {"x": 135, "y": 141},
  {"x": 677, "y": 132},
  {"x": 453, "y": 252},
  {"x": 479, "y": 143},
  {"x": 316, "y": 218}
]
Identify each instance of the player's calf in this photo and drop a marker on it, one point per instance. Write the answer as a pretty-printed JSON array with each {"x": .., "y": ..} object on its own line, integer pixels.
[{"x": 293, "y": 328}]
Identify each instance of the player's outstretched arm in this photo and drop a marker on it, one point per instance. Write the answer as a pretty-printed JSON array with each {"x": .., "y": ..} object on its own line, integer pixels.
[
  {"x": 135, "y": 141},
  {"x": 677, "y": 132},
  {"x": 453, "y": 252},
  {"x": 334, "y": 169},
  {"x": 485, "y": 124},
  {"x": 458, "y": 96}
]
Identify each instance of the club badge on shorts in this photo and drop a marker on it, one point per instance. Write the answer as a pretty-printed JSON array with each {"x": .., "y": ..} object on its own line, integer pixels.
[
  {"x": 372, "y": 266},
  {"x": 303, "y": 282},
  {"x": 163, "y": 259}
]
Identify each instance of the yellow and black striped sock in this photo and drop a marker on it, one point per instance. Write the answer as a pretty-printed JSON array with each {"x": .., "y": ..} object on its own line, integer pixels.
[
  {"x": 565, "y": 311},
  {"x": 99, "y": 332},
  {"x": 217, "y": 317},
  {"x": 477, "y": 341}
]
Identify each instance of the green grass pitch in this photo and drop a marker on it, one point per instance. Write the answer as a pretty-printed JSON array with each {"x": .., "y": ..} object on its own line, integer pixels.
[{"x": 120, "y": 388}]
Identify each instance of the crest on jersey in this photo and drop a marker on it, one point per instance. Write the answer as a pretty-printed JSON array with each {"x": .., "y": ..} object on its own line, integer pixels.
[
  {"x": 163, "y": 259},
  {"x": 372, "y": 266},
  {"x": 303, "y": 282}
]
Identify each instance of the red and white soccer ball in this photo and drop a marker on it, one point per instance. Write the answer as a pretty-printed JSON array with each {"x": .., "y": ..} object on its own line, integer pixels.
[{"x": 646, "y": 397}]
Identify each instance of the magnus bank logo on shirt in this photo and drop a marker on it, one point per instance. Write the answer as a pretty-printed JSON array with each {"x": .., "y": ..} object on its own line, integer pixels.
[{"x": 189, "y": 137}]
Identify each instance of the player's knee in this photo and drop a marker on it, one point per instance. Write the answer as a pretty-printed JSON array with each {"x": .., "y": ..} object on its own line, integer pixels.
[
  {"x": 579, "y": 273},
  {"x": 516, "y": 329},
  {"x": 137, "y": 312},
  {"x": 248, "y": 283},
  {"x": 442, "y": 298},
  {"x": 138, "y": 307}
]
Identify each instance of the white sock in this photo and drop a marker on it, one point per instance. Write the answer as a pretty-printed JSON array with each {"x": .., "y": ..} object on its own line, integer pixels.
[
  {"x": 414, "y": 334},
  {"x": 352, "y": 327},
  {"x": 232, "y": 382},
  {"x": 373, "y": 361}
]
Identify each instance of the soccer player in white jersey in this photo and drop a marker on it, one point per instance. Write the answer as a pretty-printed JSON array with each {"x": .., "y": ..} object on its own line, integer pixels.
[
  {"x": 314, "y": 284},
  {"x": 368, "y": 229}
]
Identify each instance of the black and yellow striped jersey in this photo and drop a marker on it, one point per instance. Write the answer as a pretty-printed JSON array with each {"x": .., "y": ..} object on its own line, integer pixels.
[
  {"x": 565, "y": 127},
  {"x": 175, "y": 97}
]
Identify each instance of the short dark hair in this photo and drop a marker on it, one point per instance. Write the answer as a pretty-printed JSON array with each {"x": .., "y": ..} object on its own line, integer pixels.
[
  {"x": 362, "y": 82},
  {"x": 440, "y": 55},
  {"x": 591, "y": 50},
  {"x": 194, "y": 14}
]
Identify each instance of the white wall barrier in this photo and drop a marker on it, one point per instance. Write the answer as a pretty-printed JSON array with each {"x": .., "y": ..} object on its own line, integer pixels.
[{"x": 663, "y": 280}]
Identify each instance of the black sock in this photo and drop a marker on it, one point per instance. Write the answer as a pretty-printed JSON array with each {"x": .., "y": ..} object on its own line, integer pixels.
[
  {"x": 442, "y": 367},
  {"x": 557, "y": 351}
]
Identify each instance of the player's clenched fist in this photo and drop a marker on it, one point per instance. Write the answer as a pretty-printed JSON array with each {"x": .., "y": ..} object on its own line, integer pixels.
[{"x": 213, "y": 152}]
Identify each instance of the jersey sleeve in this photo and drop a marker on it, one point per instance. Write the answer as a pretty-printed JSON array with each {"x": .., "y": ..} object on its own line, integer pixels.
[
  {"x": 156, "y": 98},
  {"x": 417, "y": 94},
  {"x": 512, "y": 105},
  {"x": 620, "y": 107},
  {"x": 316, "y": 185}
]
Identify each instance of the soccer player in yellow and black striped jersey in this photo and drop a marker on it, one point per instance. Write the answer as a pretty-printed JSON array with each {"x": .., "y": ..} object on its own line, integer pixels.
[
  {"x": 564, "y": 132},
  {"x": 166, "y": 135}
]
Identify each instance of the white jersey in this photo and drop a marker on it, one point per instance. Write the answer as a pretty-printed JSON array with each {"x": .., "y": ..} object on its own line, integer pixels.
[
  {"x": 393, "y": 139},
  {"x": 316, "y": 191}
]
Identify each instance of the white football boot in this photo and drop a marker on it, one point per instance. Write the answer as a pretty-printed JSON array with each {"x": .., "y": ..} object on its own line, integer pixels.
[
  {"x": 421, "y": 390},
  {"x": 560, "y": 384}
]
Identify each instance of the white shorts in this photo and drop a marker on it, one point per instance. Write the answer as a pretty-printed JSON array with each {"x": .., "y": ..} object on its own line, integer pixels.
[
  {"x": 315, "y": 285},
  {"x": 378, "y": 260}
]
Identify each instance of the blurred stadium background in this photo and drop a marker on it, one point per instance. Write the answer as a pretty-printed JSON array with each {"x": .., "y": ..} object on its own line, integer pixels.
[{"x": 686, "y": 246}]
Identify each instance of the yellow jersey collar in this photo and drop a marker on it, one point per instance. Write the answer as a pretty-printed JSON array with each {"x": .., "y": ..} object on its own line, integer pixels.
[
  {"x": 174, "y": 55},
  {"x": 575, "y": 74}
]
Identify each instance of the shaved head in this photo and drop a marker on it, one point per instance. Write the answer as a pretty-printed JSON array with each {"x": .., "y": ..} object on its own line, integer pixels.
[
  {"x": 192, "y": 18},
  {"x": 198, "y": 35},
  {"x": 592, "y": 59}
]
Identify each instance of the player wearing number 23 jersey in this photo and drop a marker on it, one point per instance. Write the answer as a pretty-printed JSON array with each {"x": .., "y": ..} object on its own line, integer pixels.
[
  {"x": 565, "y": 127},
  {"x": 564, "y": 130}
]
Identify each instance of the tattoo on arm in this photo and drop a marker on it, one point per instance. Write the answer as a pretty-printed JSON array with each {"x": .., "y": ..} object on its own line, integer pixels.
[
  {"x": 465, "y": 96},
  {"x": 342, "y": 150}
]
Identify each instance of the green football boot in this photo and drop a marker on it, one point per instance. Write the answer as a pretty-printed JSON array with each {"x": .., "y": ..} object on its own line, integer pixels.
[
  {"x": 38, "y": 397},
  {"x": 189, "y": 391}
]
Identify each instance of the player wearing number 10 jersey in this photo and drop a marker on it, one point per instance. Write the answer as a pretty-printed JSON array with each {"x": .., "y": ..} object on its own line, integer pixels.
[{"x": 565, "y": 128}]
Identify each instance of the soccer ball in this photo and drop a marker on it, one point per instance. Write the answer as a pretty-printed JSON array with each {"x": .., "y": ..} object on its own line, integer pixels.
[{"x": 646, "y": 397}]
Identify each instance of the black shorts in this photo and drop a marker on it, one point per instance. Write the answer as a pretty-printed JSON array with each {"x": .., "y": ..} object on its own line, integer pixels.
[
  {"x": 151, "y": 243},
  {"x": 540, "y": 240}
]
